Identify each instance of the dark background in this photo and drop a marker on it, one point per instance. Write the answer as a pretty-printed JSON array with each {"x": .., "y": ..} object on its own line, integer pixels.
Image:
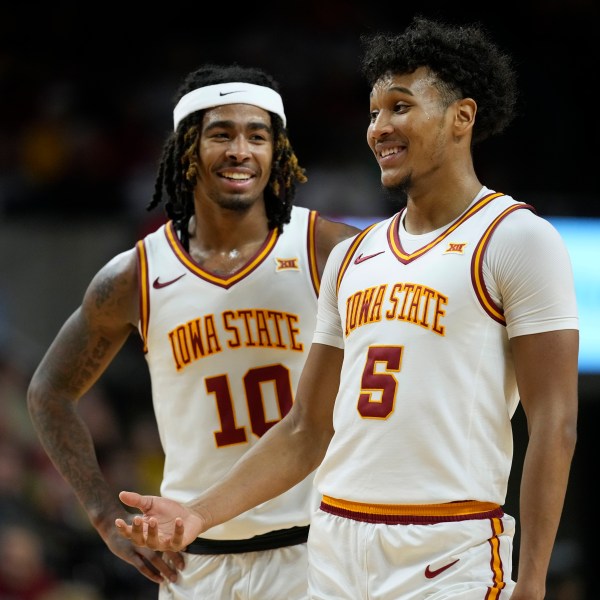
[
  {"x": 106, "y": 78},
  {"x": 85, "y": 104}
]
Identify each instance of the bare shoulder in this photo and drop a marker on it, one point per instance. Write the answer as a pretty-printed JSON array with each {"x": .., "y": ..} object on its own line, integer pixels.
[
  {"x": 93, "y": 334},
  {"x": 329, "y": 233},
  {"x": 113, "y": 291}
]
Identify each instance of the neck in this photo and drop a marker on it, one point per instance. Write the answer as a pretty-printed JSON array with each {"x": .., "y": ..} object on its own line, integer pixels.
[
  {"x": 221, "y": 229},
  {"x": 439, "y": 205}
]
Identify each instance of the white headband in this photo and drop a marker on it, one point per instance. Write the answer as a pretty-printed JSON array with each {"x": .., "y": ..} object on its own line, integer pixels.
[{"x": 228, "y": 93}]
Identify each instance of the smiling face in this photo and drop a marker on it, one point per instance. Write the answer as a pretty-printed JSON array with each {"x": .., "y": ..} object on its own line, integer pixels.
[
  {"x": 235, "y": 152},
  {"x": 411, "y": 128}
]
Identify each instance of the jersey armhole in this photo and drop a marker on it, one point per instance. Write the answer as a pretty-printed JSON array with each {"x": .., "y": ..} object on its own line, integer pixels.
[{"x": 144, "y": 292}]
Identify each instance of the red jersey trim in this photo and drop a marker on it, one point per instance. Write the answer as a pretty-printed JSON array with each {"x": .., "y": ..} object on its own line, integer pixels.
[
  {"x": 477, "y": 266},
  {"x": 144, "y": 291},
  {"x": 225, "y": 282},
  {"x": 350, "y": 253},
  {"x": 312, "y": 251},
  {"x": 404, "y": 514},
  {"x": 394, "y": 237}
]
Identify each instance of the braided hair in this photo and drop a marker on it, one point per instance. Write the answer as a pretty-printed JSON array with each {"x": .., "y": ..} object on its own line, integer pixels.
[
  {"x": 466, "y": 63},
  {"x": 176, "y": 177}
]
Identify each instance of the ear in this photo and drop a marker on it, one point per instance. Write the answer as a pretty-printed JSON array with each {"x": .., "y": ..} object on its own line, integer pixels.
[{"x": 464, "y": 116}]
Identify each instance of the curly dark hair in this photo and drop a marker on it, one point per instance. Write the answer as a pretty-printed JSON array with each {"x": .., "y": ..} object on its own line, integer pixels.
[
  {"x": 466, "y": 62},
  {"x": 175, "y": 179}
]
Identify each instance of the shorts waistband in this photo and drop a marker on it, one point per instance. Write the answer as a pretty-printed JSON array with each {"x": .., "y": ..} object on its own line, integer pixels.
[
  {"x": 266, "y": 541},
  {"x": 407, "y": 514}
]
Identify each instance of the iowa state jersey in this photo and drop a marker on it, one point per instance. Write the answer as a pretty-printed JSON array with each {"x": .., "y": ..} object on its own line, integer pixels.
[
  {"x": 225, "y": 355},
  {"x": 428, "y": 386}
]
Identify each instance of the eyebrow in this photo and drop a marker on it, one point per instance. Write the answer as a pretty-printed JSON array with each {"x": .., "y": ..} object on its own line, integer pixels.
[
  {"x": 397, "y": 88},
  {"x": 400, "y": 88}
]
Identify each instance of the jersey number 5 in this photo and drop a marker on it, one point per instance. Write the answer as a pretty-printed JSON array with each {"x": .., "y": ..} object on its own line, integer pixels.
[{"x": 378, "y": 386}]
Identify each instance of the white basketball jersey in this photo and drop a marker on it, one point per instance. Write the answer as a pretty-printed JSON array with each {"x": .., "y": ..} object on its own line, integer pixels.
[
  {"x": 427, "y": 385},
  {"x": 225, "y": 355}
]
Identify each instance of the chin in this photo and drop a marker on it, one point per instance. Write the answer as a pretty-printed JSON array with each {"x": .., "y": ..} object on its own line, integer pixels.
[
  {"x": 236, "y": 203},
  {"x": 396, "y": 183}
]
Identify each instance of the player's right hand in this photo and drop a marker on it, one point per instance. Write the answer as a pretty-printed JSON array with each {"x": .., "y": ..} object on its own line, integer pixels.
[
  {"x": 154, "y": 565},
  {"x": 164, "y": 525}
]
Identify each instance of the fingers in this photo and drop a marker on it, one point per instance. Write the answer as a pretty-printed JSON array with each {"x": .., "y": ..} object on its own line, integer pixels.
[
  {"x": 166, "y": 563},
  {"x": 157, "y": 566},
  {"x": 179, "y": 530},
  {"x": 175, "y": 559},
  {"x": 123, "y": 528},
  {"x": 148, "y": 534},
  {"x": 152, "y": 573},
  {"x": 144, "y": 531},
  {"x": 137, "y": 531},
  {"x": 135, "y": 500},
  {"x": 151, "y": 564}
]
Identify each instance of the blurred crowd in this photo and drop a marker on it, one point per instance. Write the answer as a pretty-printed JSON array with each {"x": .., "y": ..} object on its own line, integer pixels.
[
  {"x": 48, "y": 549},
  {"x": 83, "y": 114}
]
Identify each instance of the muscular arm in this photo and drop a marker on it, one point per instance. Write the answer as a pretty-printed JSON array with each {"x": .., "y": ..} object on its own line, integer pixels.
[
  {"x": 546, "y": 368},
  {"x": 78, "y": 356},
  {"x": 80, "y": 353},
  {"x": 284, "y": 456}
]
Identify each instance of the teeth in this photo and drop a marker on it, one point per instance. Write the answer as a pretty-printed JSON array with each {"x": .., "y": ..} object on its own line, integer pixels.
[
  {"x": 389, "y": 151},
  {"x": 236, "y": 175}
]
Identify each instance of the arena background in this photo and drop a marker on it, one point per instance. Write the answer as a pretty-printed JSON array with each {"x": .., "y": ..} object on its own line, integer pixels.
[{"x": 85, "y": 103}]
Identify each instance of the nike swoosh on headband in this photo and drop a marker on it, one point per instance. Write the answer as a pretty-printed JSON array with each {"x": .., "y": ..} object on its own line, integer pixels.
[{"x": 226, "y": 93}]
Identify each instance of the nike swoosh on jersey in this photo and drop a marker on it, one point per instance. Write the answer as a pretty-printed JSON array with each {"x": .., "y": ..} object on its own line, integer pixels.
[
  {"x": 431, "y": 573},
  {"x": 161, "y": 284},
  {"x": 360, "y": 258}
]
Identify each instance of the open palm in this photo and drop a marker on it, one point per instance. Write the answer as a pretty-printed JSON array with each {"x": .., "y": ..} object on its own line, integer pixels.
[{"x": 164, "y": 524}]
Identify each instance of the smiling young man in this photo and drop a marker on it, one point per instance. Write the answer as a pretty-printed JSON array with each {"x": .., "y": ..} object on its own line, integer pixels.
[
  {"x": 224, "y": 297},
  {"x": 432, "y": 326}
]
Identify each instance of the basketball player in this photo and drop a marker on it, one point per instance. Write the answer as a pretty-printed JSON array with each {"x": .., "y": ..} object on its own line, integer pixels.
[
  {"x": 224, "y": 297},
  {"x": 431, "y": 326}
]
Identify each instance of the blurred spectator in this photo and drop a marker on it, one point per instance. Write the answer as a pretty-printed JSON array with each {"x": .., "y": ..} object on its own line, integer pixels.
[
  {"x": 24, "y": 574},
  {"x": 68, "y": 161},
  {"x": 13, "y": 481},
  {"x": 66, "y": 590},
  {"x": 41, "y": 518}
]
